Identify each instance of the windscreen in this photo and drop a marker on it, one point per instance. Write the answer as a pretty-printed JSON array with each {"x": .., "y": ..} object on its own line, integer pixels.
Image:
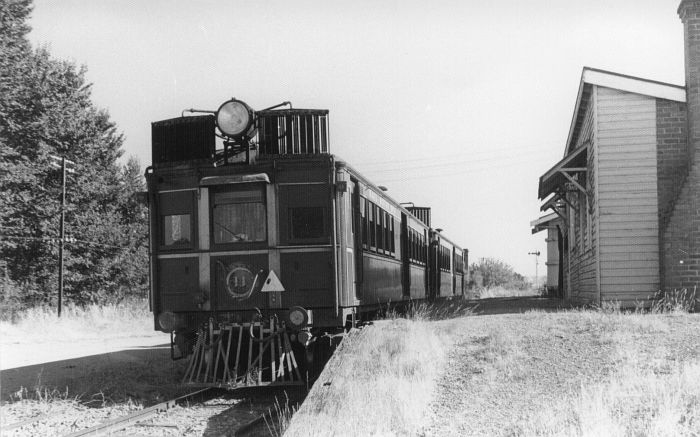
[{"x": 239, "y": 216}]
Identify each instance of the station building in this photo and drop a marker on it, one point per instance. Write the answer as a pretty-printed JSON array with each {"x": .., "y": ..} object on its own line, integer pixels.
[{"x": 627, "y": 191}]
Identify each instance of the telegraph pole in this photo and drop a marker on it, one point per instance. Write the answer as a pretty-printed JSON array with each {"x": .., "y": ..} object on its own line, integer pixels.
[
  {"x": 63, "y": 235},
  {"x": 537, "y": 259},
  {"x": 62, "y": 229}
]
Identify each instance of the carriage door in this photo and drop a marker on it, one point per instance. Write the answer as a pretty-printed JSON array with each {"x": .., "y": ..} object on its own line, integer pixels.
[{"x": 357, "y": 236}]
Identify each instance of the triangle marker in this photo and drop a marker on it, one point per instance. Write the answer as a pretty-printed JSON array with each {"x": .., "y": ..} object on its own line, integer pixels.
[{"x": 272, "y": 283}]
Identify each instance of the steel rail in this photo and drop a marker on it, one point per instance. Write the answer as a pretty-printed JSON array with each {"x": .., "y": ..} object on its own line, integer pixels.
[{"x": 130, "y": 419}]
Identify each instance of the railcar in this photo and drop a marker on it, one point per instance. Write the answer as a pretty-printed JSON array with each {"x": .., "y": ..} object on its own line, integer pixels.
[{"x": 267, "y": 244}]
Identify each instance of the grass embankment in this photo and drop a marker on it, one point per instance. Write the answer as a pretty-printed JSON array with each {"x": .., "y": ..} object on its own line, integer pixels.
[
  {"x": 585, "y": 373},
  {"x": 381, "y": 379}
]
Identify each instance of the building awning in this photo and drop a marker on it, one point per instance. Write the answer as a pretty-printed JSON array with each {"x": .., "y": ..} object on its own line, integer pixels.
[
  {"x": 554, "y": 180},
  {"x": 234, "y": 179},
  {"x": 544, "y": 222}
]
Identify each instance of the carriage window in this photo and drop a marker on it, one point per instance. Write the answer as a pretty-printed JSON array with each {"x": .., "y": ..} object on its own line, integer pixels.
[
  {"x": 387, "y": 231},
  {"x": 379, "y": 220},
  {"x": 177, "y": 230},
  {"x": 391, "y": 235},
  {"x": 412, "y": 244},
  {"x": 306, "y": 223},
  {"x": 239, "y": 216},
  {"x": 423, "y": 250},
  {"x": 372, "y": 230},
  {"x": 363, "y": 213}
]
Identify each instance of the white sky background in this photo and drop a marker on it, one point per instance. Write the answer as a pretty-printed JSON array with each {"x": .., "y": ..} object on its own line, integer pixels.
[{"x": 457, "y": 105}]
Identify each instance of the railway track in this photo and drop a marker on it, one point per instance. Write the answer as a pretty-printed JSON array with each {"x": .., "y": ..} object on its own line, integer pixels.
[
  {"x": 216, "y": 407},
  {"x": 217, "y": 411},
  {"x": 128, "y": 420}
]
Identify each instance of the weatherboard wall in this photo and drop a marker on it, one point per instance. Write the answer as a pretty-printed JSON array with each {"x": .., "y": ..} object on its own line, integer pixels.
[
  {"x": 628, "y": 196},
  {"x": 582, "y": 228}
]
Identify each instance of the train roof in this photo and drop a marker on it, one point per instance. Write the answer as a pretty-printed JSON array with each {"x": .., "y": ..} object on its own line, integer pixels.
[{"x": 342, "y": 163}]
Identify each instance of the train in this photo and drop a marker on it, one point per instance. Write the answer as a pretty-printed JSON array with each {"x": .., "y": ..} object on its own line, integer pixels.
[{"x": 263, "y": 243}]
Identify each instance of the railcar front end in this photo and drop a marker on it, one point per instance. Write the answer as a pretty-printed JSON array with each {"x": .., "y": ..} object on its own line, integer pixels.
[{"x": 266, "y": 248}]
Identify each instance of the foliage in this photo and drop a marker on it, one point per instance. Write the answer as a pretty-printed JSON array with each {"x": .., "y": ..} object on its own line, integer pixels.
[
  {"x": 45, "y": 110},
  {"x": 492, "y": 273}
]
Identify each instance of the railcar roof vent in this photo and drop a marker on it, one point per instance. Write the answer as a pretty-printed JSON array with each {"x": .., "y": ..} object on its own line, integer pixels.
[
  {"x": 292, "y": 131},
  {"x": 182, "y": 139},
  {"x": 422, "y": 213}
]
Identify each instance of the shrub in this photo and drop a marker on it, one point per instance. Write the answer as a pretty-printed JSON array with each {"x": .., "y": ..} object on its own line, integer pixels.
[{"x": 492, "y": 273}]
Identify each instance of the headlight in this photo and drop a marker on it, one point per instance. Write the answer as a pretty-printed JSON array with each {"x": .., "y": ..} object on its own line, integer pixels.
[
  {"x": 167, "y": 321},
  {"x": 234, "y": 118},
  {"x": 298, "y": 317}
]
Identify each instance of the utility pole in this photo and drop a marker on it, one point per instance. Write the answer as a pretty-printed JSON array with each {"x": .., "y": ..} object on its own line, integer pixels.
[
  {"x": 537, "y": 259},
  {"x": 62, "y": 230}
]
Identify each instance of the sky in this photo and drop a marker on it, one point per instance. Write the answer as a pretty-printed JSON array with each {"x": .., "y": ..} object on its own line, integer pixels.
[{"x": 456, "y": 105}]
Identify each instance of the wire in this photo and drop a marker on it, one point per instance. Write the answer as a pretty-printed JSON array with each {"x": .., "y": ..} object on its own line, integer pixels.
[
  {"x": 402, "y": 168},
  {"x": 68, "y": 240},
  {"x": 410, "y": 175},
  {"x": 488, "y": 152}
]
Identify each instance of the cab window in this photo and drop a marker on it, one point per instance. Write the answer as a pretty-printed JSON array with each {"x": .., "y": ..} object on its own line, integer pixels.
[
  {"x": 177, "y": 220},
  {"x": 238, "y": 216},
  {"x": 177, "y": 230}
]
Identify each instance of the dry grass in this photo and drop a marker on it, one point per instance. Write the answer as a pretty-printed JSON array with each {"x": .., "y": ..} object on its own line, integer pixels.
[
  {"x": 683, "y": 300},
  {"x": 580, "y": 373},
  {"x": 277, "y": 419},
  {"x": 600, "y": 372},
  {"x": 41, "y": 324},
  {"x": 379, "y": 382},
  {"x": 424, "y": 311},
  {"x": 634, "y": 400}
]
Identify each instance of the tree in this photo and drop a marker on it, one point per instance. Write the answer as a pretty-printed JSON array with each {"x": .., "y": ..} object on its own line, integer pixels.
[
  {"x": 490, "y": 272},
  {"x": 46, "y": 109}
]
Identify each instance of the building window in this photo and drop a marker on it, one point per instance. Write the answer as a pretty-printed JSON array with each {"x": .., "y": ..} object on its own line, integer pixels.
[{"x": 239, "y": 216}]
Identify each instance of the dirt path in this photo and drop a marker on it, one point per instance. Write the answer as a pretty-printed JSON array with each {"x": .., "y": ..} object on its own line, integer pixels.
[
  {"x": 118, "y": 369},
  {"x": 508, "y": 371},
  {"x": 58, "y": 397}
]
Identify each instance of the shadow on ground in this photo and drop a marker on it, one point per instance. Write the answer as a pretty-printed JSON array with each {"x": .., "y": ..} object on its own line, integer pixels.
[
  {"x": 255, "y": 401},
  {"x": 143, "y": 374}
]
